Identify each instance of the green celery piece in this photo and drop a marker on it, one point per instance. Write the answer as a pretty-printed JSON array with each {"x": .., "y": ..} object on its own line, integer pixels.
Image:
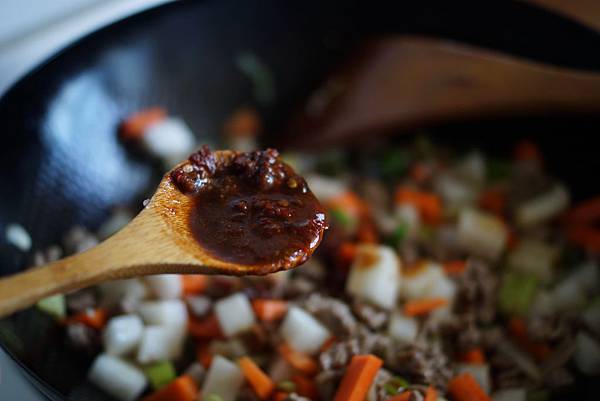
[
  {"x": 53, "y": 305},
  {"x": 286, "y": 385},
  {"x": 160, "y": 374},
  {"x": 517, "y": 293},
  {"x": 398, "y": 235},
  {"x": 213, "y": 397},
  {"x": 342, "y": 217},
  {"x": 399, "y": 381},
  {"x": 394, "y": 163}
]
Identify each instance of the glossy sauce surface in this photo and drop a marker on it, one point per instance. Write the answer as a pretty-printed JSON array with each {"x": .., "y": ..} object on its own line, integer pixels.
[{"x": 251, "y": 208}]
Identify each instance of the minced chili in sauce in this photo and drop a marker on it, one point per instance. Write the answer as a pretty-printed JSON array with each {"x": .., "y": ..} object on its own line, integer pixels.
[{"x": 251, "y": 208}]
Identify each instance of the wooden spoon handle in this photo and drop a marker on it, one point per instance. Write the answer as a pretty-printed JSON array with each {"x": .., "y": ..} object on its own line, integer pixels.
[
  {"x": 406, "y": 82},
  {"x": 118, "y": 257}
]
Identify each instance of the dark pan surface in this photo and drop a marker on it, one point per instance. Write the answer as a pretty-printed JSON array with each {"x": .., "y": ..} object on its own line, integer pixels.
[{"x": 61, "y": 164}]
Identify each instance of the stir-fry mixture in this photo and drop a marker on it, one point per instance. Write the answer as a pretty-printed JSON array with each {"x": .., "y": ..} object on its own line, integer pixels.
[{"x": 445, "y": 275}]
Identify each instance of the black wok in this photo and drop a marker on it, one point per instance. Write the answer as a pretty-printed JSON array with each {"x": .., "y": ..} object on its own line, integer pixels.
[{"x": 61, "y": 163}]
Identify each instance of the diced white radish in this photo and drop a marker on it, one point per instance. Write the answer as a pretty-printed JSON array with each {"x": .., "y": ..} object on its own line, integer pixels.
[
  {"x": 224, "y": 378},
  {"x": 114, "y": 292},
  {"x": 543, "y": 207},
  {"x": 165, "y": 286},
  {"x": 480, "y": 233},
  {"x": 443, "y": 287},
  {"x": 169, "y": 312},
  {"x": 591, "y": 316},
  {"x": 160, "y": 343},
  {"x": 419, "y": 282},
  {"x": 408, "y": 215},
  {"x": 535, "y": 257},
  {"x": 235, "y": 314},
  {"x": 455, "y": 191},
  {"x": 170, "y": 138},
  {"x": 325, "y": 188},
  {"x": 510, "y": 394},
  {"x": 117, "y": 220},
  {"x": 375, "y": 275},
  {"x": 122, "y": 334},
  {"x": 117, "y": 378},
  {"x": 199, "y": 304},
  {"x": 18, "y": 236},
  {"x": 587, "y": 354},
  {"x": 481, "y": 373},
  {"x": 302, "y": 331},
  {"x": 402, "y": 327}
]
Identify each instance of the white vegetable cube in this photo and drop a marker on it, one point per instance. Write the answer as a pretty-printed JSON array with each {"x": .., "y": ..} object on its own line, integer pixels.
[
  {"x": 543, "y": 207},
  {"x": 224, "y": 378},
  {"x": 419, "y": 282},
  {"x": 325, "y": 188},
  {"x": 117, "y": 378},
  {"x": 480, "y": 233},
  {"x": 587, "y": 354},
  {"x": 481, "y": 373},
  {"x": 122, "y": 334},
  {"x": 302, "y": 331},
  {"x": 170, "y": 138},
  {"x": 402, "y": 327},
  {"x": 170, "y": 312},
  {"x": 535, "y": 257},
  {"x": 235, "y": 314},
  {"x": 165, "y": 286},
  {"x": 160, "y": 343},
  {"x": 455, "y": 191},
  {"x": 375, "y": 275}
]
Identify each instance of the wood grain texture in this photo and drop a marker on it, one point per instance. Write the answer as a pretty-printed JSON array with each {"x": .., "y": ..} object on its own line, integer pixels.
[
  {"x": 398, "y": 83},
  {"x": 586, "y": 12},
  {"x": 156, "y": 241}
]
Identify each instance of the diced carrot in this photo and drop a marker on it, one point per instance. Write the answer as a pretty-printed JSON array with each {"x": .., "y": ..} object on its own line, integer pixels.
[
  {"x": 420, "y": 307},
  {"x": 346, "y": 253},
  {"x": 357, "y": 380},
  {"x": 328, "y": 343},
  {"x": 455, "y": 267},
  {"x": 203, "y": 355},
  {"x": 518, "y": 330},
  {"x": 350, "y": 203},
  {"x": 92, "y": 317},
  {"x": 305, "y": 387},
  {"x": 300, "y": 361},
  {"x": 528, "y": 151},
  {"x": 243, "y": 122},
  {"x": 430, "y": 394},
  {"x": 262, "y": 384},
  {"x": 193, "y": 284},
  {"x": 207, "y": 328},
  {"x": 280, "y": 396},
  {"x": 585, "y": 212},
  {"x": 136, "y": 124},
  {"x": 269, "y": 310},
  {"x": 474, "y": 356},
  {"x": 403, "y": 396},
  {"x": 428, "y": 204},
  {"x": 183, "y": 388},
  {"x": 584, "y": 236},
  {"x": 367, "y": 232},
  {"x": 464, "y": 387},
  {"x": 493, "y": 200}
]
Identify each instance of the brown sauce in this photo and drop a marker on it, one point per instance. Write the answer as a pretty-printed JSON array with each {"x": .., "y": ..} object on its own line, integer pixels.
[{"x": 251, "y": 208}]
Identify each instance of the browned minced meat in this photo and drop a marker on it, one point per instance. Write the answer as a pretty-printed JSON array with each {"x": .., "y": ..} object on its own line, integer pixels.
[
  {"x": 251, "y": 208},
  {"x": 422, "y": 364},
  {"x": 333, "y": 313},
  {"x": 327, "y": 382},
  {"x": 370, "y": 315},
  {"x": 477, "y": 291},
  {"x": 339, "y": 354}
]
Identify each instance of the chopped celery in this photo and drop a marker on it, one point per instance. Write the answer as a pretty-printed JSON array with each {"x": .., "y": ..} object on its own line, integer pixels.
[
  {"x": 160, "y": 374},
  {"x": 395, "y": 384},
  {"x": 53, "y": 305},
  {"x": 394, "y": 163},
  {"x": 342, "y": 218},
  {"x": 497, "y": 170},
  {"x": 399, "y": 381},
  {"x": 287, "y": 386},
  {"x": 398, "y": 235},
  {"x": 390, "y": 389},
  {"x": 517, "y": 293},
  {"x": 213, "y": 397}
]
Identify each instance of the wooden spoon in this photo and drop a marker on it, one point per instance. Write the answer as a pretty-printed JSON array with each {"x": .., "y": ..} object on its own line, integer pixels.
[
  {"x": 398, "y": 83},
  {"x": 158, "y": 240}
]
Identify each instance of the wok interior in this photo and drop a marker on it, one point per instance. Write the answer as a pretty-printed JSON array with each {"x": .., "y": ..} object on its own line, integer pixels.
[{"x": 63, "y": 165}]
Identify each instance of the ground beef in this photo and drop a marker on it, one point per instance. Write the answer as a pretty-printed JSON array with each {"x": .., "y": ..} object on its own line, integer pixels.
[
  {"x": 422, "y": 364},
  {"x": 333, "y": 313},
  {"x": 299, "y": 286},
  {"x": 81, "y": 300},
  {"x": 82, "y": 338},
  {"x": 327, "y": 383},
  {"x": 557, "y": 378},
  {"x": 477, "y": 292},
  {"x": 374, "y": 343},
  {"x": 459, "y": 333},
  {"x": 382, "y": 378},
  {"x": 339, "y": 354},
  {"x": 550, "y": 328},
  {"x": 371, "y": 315}
]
